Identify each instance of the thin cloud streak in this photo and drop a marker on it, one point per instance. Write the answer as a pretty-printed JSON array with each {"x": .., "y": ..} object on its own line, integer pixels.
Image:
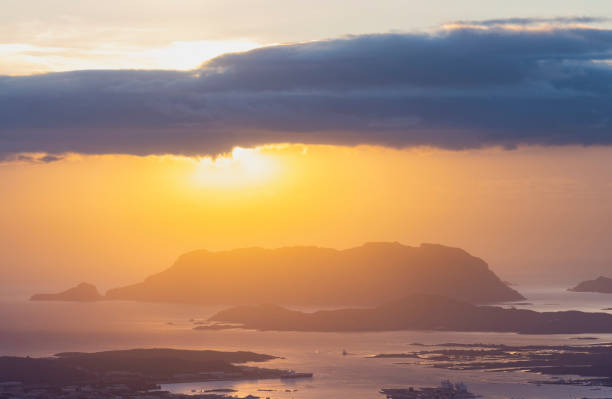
[{"x": 533, "y": 21}]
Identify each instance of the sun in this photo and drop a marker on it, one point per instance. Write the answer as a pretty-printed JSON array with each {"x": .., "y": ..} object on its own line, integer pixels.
[{"x": 242, "y": 167}]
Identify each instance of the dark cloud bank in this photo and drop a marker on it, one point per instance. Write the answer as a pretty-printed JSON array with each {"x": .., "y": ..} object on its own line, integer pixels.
[{"x": 463, "y": 88}]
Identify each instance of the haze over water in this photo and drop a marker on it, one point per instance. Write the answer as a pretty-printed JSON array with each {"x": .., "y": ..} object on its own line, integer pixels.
[
  {"x": 45, "y": 328},
  {"x": 420, "y": 161}
]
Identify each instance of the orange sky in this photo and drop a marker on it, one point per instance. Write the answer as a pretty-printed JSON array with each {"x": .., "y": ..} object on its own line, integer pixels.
[
  {"x": 114, "y": 219},
  {"x": 390, "y": 73}
]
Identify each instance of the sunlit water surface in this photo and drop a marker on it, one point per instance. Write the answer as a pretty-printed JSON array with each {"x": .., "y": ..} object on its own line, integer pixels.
[{"x": 45, "y": 328}]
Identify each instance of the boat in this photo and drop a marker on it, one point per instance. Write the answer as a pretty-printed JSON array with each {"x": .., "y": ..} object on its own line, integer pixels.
[
  {"x": 292, "y": 374},
  {"x": 446, "y": 390}
]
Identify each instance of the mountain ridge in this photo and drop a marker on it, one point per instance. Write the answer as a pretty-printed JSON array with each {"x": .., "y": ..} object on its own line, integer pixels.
[{"x": 372, "y": 273}]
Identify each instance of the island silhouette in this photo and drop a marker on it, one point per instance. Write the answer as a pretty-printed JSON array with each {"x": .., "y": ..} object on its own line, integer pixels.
[
  {"x": 141, "y": 367},
  {"x": 83, "y": 292},
  {"x": 600, "y": 284},
  {"x": 366, "y": 275},
  {"x": 414, "y": 312}
]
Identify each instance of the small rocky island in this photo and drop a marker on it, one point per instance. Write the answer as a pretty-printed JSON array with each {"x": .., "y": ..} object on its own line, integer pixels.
[
  {"x": 83, "y": 292},
  {"x": 601, "y": 284}
]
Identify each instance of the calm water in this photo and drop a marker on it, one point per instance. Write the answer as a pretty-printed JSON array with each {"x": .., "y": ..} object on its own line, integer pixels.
[{"x": 41, "y": 329}]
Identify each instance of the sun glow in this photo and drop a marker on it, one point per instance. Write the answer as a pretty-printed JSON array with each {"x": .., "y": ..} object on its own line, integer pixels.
[
  {"x": 242, "y": 167},
  {"x": 25, "y": 59}
]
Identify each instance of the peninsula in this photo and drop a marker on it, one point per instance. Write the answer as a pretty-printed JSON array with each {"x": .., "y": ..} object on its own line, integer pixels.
[
  {"x": 151, "y": 366},
  {"x": 135, "y": 373}
]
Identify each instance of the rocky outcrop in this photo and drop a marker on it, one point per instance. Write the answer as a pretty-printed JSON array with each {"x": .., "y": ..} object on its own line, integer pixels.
[{"x": 83, "y": 292}]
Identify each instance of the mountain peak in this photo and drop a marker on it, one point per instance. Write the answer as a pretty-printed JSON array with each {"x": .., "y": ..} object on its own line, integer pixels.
[{"x": 370, "y": 274}]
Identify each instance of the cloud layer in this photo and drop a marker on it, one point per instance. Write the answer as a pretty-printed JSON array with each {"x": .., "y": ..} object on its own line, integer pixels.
[{"x": 455, "y": 89}]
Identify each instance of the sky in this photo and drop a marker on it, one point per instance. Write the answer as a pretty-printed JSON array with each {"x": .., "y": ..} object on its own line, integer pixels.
[
  {"x": 62, "y": 35},
  {"x": 133, "y": 132}
]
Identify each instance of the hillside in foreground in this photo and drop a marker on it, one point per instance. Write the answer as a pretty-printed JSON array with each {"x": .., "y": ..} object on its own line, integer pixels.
[{"x": 135, "y": 366}]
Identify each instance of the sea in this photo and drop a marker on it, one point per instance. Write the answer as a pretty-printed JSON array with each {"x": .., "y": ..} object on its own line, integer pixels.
[{"x": 45, "y": 328}]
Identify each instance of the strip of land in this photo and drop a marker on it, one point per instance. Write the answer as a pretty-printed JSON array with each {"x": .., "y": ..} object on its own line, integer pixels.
[
  {"x": 415, "y": 312},
  {"x": 123, "y": 373},
  {"x": 593, "y": 363}
]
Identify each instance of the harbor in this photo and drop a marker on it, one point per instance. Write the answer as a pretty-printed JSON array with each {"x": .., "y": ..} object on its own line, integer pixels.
[{"x": 446, "y": 390}]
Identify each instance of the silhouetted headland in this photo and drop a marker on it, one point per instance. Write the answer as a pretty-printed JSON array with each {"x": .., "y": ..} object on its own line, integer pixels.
[
  {"x": 83, "y": 292},
  {"x": 417, "y": 312},
  {"x": 132, "y": 373},
  {"x": 367, "y": 275},
  {"x": 600, "y": 284},
  {"x": 135, "y": 365}
]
